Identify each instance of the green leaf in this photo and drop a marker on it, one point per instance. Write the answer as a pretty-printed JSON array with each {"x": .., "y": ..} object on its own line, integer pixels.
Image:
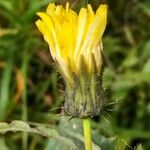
[
  {"x": 81, "y": 138},
  {"x": 5, "y": 85},
  {"x": 104, "y": 143},
  {"x": 71, "y": 129},
  {"x": 56, "y": 135},
  {"x": 47, "y": 132},
  {"x": 17, "y": 126}
]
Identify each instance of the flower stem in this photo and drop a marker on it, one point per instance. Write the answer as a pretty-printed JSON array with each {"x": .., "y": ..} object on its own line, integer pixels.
[{"x": 87, "y": 133}]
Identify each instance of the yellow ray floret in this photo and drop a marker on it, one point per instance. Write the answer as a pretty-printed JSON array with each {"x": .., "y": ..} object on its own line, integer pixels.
[{"x": 71, "y": 35}]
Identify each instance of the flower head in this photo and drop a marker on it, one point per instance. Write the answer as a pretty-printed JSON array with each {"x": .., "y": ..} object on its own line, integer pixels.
[
  {"x": 75, "y": 42},
  {"x": 74, "y": 38}
]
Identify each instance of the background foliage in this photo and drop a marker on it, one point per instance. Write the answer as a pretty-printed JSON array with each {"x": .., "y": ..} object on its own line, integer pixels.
[{"x": 30, "y": 88}]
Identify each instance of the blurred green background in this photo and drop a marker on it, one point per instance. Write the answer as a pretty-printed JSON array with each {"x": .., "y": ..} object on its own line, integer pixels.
[{"x": 31, "y": 89}]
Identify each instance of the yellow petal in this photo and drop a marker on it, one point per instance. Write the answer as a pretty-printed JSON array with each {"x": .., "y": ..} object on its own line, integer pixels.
[
  {"x": 71, "y": 35},
  {"x": 82, "y": 20},
  {"x": 96, "y": 30},
  {"x": 51, "y": 9},
  {"x": 47, "y": 36},
  {"x": 50, "y": 28},
  {"x": 101, "y": 14}
]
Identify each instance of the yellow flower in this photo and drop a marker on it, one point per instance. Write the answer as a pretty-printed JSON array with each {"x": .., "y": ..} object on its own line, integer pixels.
[
  {"x": 75, "y": 42},
  {"x": 73, "y": 37}
]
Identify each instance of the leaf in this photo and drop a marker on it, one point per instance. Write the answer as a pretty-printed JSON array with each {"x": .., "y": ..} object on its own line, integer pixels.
[
  {"x": 81, "y": 138},
  {"x": 104, "y": 143},
  {"x": 71, "y": 129},
  {"x": 16, "y": 126},
  {"x": 5, "y": 85},
  {"x": 47, "y": 132},
  {"x": 56, "y": 135}
]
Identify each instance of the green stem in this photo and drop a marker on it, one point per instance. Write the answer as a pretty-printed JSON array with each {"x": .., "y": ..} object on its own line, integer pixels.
[{"x": 87, "y": 133}]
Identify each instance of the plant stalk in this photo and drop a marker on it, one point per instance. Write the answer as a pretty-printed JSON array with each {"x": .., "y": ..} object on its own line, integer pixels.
[{"x": 87, "y": 133}]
